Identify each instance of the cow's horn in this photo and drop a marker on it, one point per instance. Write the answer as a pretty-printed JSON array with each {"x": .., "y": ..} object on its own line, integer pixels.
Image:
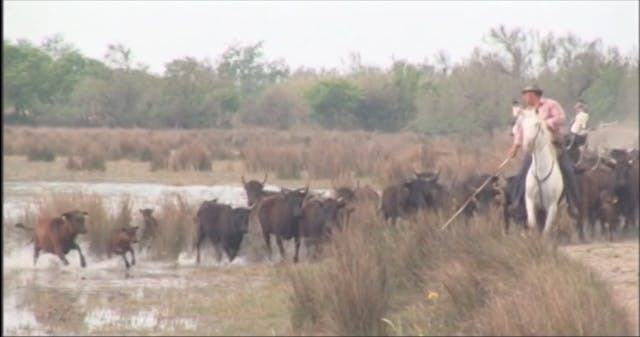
[
  {"x": 266, "y": 175},
  {"x": 243, "y": 181}
]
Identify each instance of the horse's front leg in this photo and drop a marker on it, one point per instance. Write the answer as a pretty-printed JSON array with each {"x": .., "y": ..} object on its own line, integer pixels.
[
  {"x": 552, "y": 212},
  {"x": 531, "y": 213}
]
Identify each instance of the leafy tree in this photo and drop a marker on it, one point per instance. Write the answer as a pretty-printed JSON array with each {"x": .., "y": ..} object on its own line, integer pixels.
[
  {"x": 333, "y": 102},
  {"x": 247, "y": 68}
]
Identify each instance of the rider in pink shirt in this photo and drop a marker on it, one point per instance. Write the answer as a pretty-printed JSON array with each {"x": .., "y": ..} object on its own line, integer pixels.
[{"x": 554, "y": 116}]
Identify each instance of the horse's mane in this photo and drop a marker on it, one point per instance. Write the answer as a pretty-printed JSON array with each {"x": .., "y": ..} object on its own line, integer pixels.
[{"x": 529, "y": 113}]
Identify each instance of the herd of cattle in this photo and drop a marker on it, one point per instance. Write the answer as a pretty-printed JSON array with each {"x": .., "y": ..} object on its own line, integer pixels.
[{"x": 609, "y": 191}]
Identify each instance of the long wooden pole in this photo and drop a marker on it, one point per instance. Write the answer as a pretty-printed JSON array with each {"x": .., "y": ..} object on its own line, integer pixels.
[{"x": 474, "y": 194}]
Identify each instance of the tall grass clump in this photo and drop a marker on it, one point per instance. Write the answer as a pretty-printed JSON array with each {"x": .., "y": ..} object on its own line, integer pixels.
[
  {"x": 41, "y": 153},
  {"x": 479, "y": 282},
  {"x": 176, "y": 228},
  {"x": 193, "y": 156},
  {"x": 347, "y": 294}
]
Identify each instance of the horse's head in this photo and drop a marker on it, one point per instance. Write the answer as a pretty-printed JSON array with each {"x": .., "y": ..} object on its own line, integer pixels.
[{"x": 534, "y": 130}]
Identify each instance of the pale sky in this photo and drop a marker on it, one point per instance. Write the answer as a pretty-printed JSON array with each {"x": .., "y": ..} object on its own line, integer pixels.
[{"x": 315, "y": 34}]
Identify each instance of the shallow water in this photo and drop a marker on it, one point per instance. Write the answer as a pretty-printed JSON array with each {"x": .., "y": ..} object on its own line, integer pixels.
[{"x": 35, "y": 297}]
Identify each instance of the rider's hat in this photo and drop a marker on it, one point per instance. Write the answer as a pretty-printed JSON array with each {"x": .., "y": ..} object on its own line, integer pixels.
[{"x": 532, "y": 88}]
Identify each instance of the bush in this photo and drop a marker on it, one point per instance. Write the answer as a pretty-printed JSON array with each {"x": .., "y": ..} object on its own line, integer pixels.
[
  {"x": 93, "y": 161},
  {"x": 176, "y": 229},
  {"x": 41, "y": 154}
]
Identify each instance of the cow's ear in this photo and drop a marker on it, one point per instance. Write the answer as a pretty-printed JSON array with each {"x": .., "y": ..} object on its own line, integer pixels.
[
  {"x": 85, "y": 213},
  {"x": 141, "y": 210},
  {"x": 135, "y": 228},
  {"x": 66, "y": 215}
]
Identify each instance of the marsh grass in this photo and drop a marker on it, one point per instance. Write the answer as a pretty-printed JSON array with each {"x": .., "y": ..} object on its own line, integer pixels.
[
  {"x": 480, "y": 281},
  {"x": 317, "y": 154}
]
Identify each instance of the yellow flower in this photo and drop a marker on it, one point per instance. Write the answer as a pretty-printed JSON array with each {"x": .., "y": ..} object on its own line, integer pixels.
[{"x": 432, "y": 295}]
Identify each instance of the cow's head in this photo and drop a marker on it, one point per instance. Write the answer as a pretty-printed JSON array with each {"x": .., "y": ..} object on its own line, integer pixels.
[
  {"x": 333, "y": 209},
  {"x": 76, "y": 219},
  {"x": 346, "y": 193},
  {"x": 620, "y": 164},
  {"x": 294, "y": 199},
  {"x": 146, "y": 212},
  {"x": 241, "y": 219},
  {"x": 424, "y": 190},
  {"x": 253, "y": 188}
]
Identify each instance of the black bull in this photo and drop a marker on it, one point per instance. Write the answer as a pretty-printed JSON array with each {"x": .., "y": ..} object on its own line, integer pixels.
[
  {"x": 223, "y": 225},
  {"x": 405, "y": 199}
]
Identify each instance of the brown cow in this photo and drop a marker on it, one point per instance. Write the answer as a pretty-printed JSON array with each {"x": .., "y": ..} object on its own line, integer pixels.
[
  {"x": 319, "y": 217},
  {"x": 255, "y": 190},
  {"x": 120, "y": 243},
  {"x": 609, "y": 212},
  {"x": 362, "y": 197},
  {"x": 592, "y": 181},
  {"x": 621, "y": 182},
  {"x": 149, "y": 229},
  {"x": 57, "y": 235},
  {"x": 279, "y": 214},
  {"x": 483, "y": 199}
]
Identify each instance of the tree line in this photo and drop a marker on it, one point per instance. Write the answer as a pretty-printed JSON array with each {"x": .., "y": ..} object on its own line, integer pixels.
[{"x": 54, "y": 84}]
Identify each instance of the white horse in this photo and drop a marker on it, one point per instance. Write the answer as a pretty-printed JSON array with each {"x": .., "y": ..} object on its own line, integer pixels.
[{"x": 544, "y": 184}]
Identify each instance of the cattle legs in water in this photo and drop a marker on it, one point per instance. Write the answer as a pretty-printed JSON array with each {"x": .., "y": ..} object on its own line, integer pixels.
[
  {"x": 36, "y": 253},
  {"x": 123, "y": 253},
  {"x": 61, "y": 254},
  {"x": 75, "y": 246},
  {"x": 280, "y": 244}
]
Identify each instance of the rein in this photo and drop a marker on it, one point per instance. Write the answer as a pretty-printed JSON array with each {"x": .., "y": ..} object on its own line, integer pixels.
[{"x": 539, "y": 180}]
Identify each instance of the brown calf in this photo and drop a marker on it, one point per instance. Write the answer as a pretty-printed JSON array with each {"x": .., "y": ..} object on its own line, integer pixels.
[
  {"x": 120, "y": 243},
  {"x": 150, "y": 227}
]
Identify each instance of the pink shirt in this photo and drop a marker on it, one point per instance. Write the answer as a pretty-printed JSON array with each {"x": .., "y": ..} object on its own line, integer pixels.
[{"x": 553, "y": 115}]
